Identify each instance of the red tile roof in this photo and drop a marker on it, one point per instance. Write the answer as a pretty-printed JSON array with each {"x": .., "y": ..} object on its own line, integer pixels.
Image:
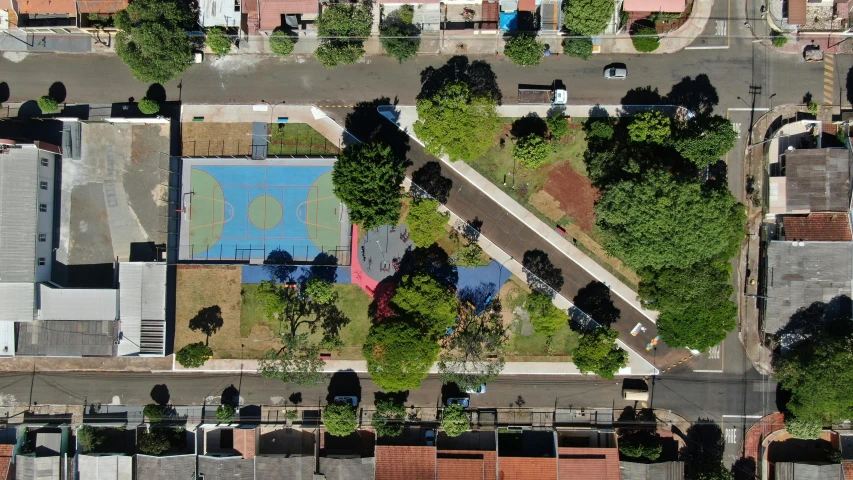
[
  {"x": 489, "y": 12},
  {"x": 526, "y": 5},
  {"x": 467, "y": 465},
  {"x": 654, "y": 5},
  {"x": 47, "y": 7},
  {"x": 524, "y": 468},
  {"x": 101, "y": 6},
  {"x": 245, "y": 442},
  {"x": 588, "y": 463},
  {"x": 818, "y": 227},
  {"x": 5, "y": 460},
  {"x": 405, "y": 463},
  {"x": 848, "y": 470},
  {"x": 272, "y": 10},
  {"x": 797, "y": 12}
]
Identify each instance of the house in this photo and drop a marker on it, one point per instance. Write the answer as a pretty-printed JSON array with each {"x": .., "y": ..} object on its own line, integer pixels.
[
  {"x": 216, "y": 13},
  {"x": 427, "y": 13},
  {"x": 285, "y": 450},
  {"x": 6, "y": 453},
  {"x": 228, "y": 453},
  {"x": 526, "y": 454},
  {"x": 268, "y": 15},
  {"x": 464, "y": 17},
  {"x": 47, "y": 16},
  {"x": 104, "y": 467},
  {"x": 165, "y": 468},
  {"x": 588, "y": 454},
  {"x": 98, "y": 14},
  {"x": 348, "y": 458},
  {"x": 810, "y": 179},
  {"x": 470, "y": 456},
  {"x": 652, "y": 471},
  {"x": 806, "y": 471},
  {"x": 48, "y": 454},
  {"x": 551, "y": 16},
  {"x": 406, "y": 456}
]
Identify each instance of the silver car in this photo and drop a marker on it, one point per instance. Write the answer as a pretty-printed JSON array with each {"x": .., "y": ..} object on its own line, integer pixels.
[{"x": 615, "y": 72}]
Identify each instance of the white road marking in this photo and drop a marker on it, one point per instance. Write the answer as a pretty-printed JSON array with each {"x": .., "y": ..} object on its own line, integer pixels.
[
  {"x": 722, "y": 26},
  {"x": 708, "y": 371},
  {"x": 116, "y": 400},
  {"x": 742, "y": 416},
  {"x": 737, "y": 126},
  {"x": 731, "y": 435},
  {"x": 714, "y": 352},
  {"x": 721, "y": 47}
]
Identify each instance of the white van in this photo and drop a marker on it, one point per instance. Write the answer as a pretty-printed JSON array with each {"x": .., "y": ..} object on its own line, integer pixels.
[{"x": 635, "y": 394}]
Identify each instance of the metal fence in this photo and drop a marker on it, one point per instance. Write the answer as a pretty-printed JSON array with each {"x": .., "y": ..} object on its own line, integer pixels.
[{"x": 273, "y": 253}]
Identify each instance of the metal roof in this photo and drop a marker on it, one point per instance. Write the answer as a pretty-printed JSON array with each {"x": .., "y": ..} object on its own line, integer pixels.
[
  {"x": 219, "y": 13},
  {"x": 19, "y": 186},
  {"x": 17, "y": 302},
  {"x": 165, "y": 468},
  {"x": 805, "y": 471},
  {"x": 7, "y": 339},
  {"x": 77, "y": 303},
  {"x": 798, "y": 276},
  {"x": 348, "y": 468},
  {"x": 222, "y": 468},
  {"x": 105, "y": 467},
  {"x": 67, "y": 338},
  {"x": 652, "y": 471},
  {"x": 298, "y": 467},
  {"x": 142, "y": 298},
  {"x": 36, "y": 468},
  {"x": 818, "y": 180}
]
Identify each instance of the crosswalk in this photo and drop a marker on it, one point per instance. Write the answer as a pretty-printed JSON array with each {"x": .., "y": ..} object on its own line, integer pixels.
[
  {"x": 722, "y": 28},
  {"x": 714, "y": 353},
  {"x": 828, "y": 79},
  {"x": 736, "y": 126}
]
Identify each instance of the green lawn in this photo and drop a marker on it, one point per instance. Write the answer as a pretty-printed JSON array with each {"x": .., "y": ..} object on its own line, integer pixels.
[
  {"x": 298, "y": 139},
  {"x": 251, "y": 313}
]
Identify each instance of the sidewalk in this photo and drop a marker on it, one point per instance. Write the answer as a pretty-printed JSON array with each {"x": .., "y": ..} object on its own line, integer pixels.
[{"x": 673, "y": 41}]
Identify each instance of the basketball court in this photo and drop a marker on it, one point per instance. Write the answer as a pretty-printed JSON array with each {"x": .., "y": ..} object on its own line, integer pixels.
[{"x": 244, "y": 210}]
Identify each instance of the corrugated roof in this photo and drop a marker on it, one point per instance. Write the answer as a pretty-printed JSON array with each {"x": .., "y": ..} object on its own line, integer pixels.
[
  {"x": 5, "y": 460},
  {"x": 218, "y": 13},
  {"x": 676, "y": 6},
  {"x": 818, "y": 180},
  {"x": 395, "y": 462},
  {"x": 272, "y": 10},
  {"x": 526, "y": 5},
  {"x": 77, "y": 303},
  {"x": 805, "y": 471},
  {"x": 817, "y": 227},
  {"x": 226, "y": 468},
  {"x": 652, "y": 471},
  {"x": 17, "y": 302},
  {"x": 799, "y": 276},
  {"x": 19, "y": 187},
  {"x": 36, "y": 468},
  {"x": 105, "y": 467},
  {"x": 298, "y": 467},
  {"x": 142, "y": 296},
  {"x": 101, "y": 6},
  {"x": 549, "y": 12},
  {"x": 348, "y": 468},
  {"x": 69, "y": 338},
  {"x": 797, "y": 12},
  {"x": 588, "y": 463},
  {"x": 7, "y": 340},
  {"x": 48, "y": 7},
  {"x": 165, "y": 468}
]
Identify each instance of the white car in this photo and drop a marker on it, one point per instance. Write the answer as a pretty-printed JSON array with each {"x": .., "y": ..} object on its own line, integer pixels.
[
  {"x": 478, "y": 389},
  {"x": 348, "y": 400},
  {"x": 617, "y": 71},
  {"x": 465, "y": 402}
]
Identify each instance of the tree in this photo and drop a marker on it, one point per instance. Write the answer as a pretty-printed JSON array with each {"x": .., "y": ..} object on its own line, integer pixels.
[
  {"x": 154, "y": 413},
  {"x": 587, "y": 17},
  {"x": 148, "y": 106},
  {"x": 473, "y": 354},
  {"x": 673, "y": 289},
  {"x": 597, "y": 353},
  {"x": 427, "y": 302},
  {"x": 558, "y": 126},
  {"x": 281, "y": 43},
  {"x": 297, "y": 361},
  {"x": 154, "y": 441},
  {"x": 706, "y": 139},
  {"x": 320, "y": 291},
  {"x": 342, "y": 20},
  {"x": 193, "y": 355},
  {"x": 531, "y": 150},
  {"x": 426, "y": 223},
  {"x": 299, "y": 313},
  {"x": 367, "y": 178},
  {"x": 652, "y": 127},
  {"x": 399, "y": 37},
  {"x": 457, "y": 123},
  {"x": 817, "y": 374},
  {"x": 659, "y": 221},
  {"x": 544, "y": 316},
  {"x": 698, "y": 327},
  {"x": 578, "y": 47},
  {"x": 339, "y": 419},
  {"x": 389, "y": 418},
  {"x": 217, "y": 42},
  {"x": 524, "y": 50},
  {"x": 334, "y": 52},
  {"x": 152, "y": 39},
  {"x": 225, "y": 413},
  {"x": 48, "y": 104},
  {"x": 804, "y": 430},
  {"x": 641, "y": 444},
  {"x": 398, "y": 354},
  {"x": 90, "y": 438},
  {"x": 645, "y": 39},
  {"x": 454, "y": 420}
]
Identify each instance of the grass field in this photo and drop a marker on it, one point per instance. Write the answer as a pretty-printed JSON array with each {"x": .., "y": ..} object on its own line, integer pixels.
[
  {"x": 298, "y": 139},
  {"x": 202, "y": 139}
]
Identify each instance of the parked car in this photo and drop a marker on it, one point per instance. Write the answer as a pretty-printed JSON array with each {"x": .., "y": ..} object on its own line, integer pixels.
[
  {"x": 478, "y": 389},
  {"x": 465, "y": 402},
  {"x": 429, "y": 438},
  {"x": 616, "y": 71},
  {"x": 347, "y": 399}
]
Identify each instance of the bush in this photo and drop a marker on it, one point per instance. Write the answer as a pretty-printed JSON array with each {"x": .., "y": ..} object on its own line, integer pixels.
[
  {"x": 90, "y": 438},
  {"x": 339, "y": 52},
  {"x": 320, "y": 291},
  {"x": 558, "y": 126},
  {"x": 400, "y": 41},
  {"x": 281, "y": 43},
  {"x": 339, "y": 419},
  {"x": 217, "y": 42},
  {"x": 154, "y": 413},
  {"x": 524, "y": 50},
  {"x": 531, "y": 151},
  {"x": 645, "y": 39},
  {"x": 470, "y": 255},
  {"x": 454, "y": 421},
  {"x": 813, "y": 108},
  {"x": 154, "y": 442},
  {"x": 426, "y": 223},
  {"x": 389, "y": 419},
  {"x": 641, "y": 445},
  {"x": 291, "y": 415},
  {"x": 804, "y": 430},
  {"x": 225, "y": 413},
  {"x": 578, "y": 47},
  {"x": 778, "y": 39},
  {"x": 193, "y": 355},
  {"x": 148, "y": 106},
  {"x": 48, "y": 104}
]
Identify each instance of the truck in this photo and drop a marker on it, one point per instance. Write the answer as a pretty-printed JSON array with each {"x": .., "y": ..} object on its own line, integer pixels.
[{"x": 554, "y": 94}]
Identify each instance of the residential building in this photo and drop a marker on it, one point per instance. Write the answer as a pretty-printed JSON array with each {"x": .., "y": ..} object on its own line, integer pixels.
[
  {"x": 527, "y": 453},
  {"x": 406, "y": 456},
  {"x": 288, "y": 450},
  {"x": 551, "y": 16},
  {"x": 46, "y": 16},
  {"x": 805, "y": 180},
  {"x": 265, "y": 16},
  {"x": 644, "y": 8},
  {"x": 98, "y": 14},
  {"x": 104, "y": 467},
  {"x": 6, "y": 453},
  {"x": 165, "y": 468},
  {"x": 217, "y": 13},
  {"x": 47, "y": 460},
  {"x": 229, "y": 453},
  {"x": 348, "y": 458},
  {"x": 652, "y": 471},
  {"x": 807, "y": 471},
  {"x": 587, "y": 453},
  {"x": 470, "y": 17},
  {"x": 470, "y": 456}
]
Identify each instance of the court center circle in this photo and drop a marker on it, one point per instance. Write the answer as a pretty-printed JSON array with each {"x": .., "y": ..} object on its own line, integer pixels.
[{"x": 265, "y": 212}]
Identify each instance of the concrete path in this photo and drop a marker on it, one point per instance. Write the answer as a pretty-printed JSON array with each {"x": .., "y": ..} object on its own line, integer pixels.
[{"x": 673, "y": 41}]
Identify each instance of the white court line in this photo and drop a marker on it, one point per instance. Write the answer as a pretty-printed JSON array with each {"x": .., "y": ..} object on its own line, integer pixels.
[
  {"x": 708, "y": 371},
  {"x": 742, "y": 416},
  {"x": 743, "y": 109},
  {"x": 722, "y": 47}
]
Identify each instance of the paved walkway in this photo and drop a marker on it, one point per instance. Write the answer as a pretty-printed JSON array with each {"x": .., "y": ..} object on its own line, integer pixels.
[{"x": 672, "y": 42}]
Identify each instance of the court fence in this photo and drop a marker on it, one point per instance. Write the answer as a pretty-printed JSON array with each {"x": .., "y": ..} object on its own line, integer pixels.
[{"x": 267, "y": 253}]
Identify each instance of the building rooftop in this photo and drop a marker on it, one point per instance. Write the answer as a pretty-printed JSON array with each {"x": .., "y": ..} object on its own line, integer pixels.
[
  {"x": 142, "y": 300},
  {"x": 805, "y": 471},
  {"x": 798, "y": 276},
  {"x": 37, "y": 468},
  {"x": 67, "y": 338},
  {"x": 225, "y": 468},
  {"x": 672, "y": 6},
  {"x": 165, "y": 468},
  {"x": 47, "y": 7},
  {"x": 219, "y": 13},
  {"x": 816, "y": 227},
  {"x": 817, "y": 180},
  {"x": 588, "y": 463},
  {"x": 105, "y": 467},
  {"x": 466, "y": 465},
  {"x": 399, "y": 462},
  {"x": 272, "y": 10},
  {"x": 77, "y": 303},
  {"x": 241, "y": 442},
  {"x": 19, "y": 187},
  {"x": 652, "y": 471},
  {"x": 17, "y": 301},
  {"x": 101, "y": 6},
  {"x": 797, "y": 12},
  {"x": 523, "y": 468},
  {"x": 348, "y": 468},
  {"x": 298, "y": 467},
  {"x": 5, "y": 459}
]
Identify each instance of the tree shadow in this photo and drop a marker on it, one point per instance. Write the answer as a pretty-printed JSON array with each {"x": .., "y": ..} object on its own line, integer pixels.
[
  {"x": 807, "y": 98},
  {"x": 696, "y": 94},
  {"x": 594, "y": 299},
  {"x": 471, "y": 230},
  {"x": 642, "y": 96},
  {"x": 478, "y": 75},
  {"x": 160, "y": 394},
  {"x": 29, "y": 109},
  {"x": 230, "y": 396},
  {"x": 478, "y": 295},
  {"x": 5, "y": 93},
  {"x": 380, "y": 308},
  {"x": 782, "y": 398},
  {"x": 344, "y": 383},
  {"x": 451, "y": 390},
  {"x": 434, "y": 260},
  {"x": 57, "y": 92},
  {"x": 833, "y": 317},
  {"x": 399, "y": 398},
  {"x": 295, "y": 398},
  {"x": 704, "y": 447},
  {"x": 156, "y": 92},
  {"x": 208, "y": 320},
  {"x": 279, "y": 266},
  {"x": 324, "y": 267},
  {"x": 744, "y": 469},
  {"x": 366, "y": 123},
  {"x": 531, "y": 124},
  {"x": 431, "y": 181},
  {"x": 546, "y": 278},
  {"x": 332, "y": 320}
]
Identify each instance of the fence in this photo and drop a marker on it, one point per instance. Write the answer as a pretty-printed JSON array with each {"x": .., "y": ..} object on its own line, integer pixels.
[{"x": 276, "y": 254}]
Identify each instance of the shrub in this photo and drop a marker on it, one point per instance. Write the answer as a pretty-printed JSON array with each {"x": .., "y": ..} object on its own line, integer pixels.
[
  {"x": 389, "y": 419},
  {"x": 426, "y": 223},
  {"x": 154, "y": 413},
  {"x": 813, "y": 108},
  {"x": 154, "y": 442},
  {"x": 339, "y": 419},
  {"x": 90, "y": 438},
  {"x": 645, "y": 39},
  {"x": 531, "y": 151},
  {"x": 524, "y": 50},
  {"x": 320, "y": 291},
  {"x": 291, "y": 415},
  {"x": 778, "y": 39},
  {"x": 193, "y": 355},
  {"x": 281, "y": 43},
  {"x": 804, "y": 430},
  {"x": 406, "y": 14},
  {"x": 641, "y": 445},
  {"x": 225, "y": 413},
  {"x": 470, "y": 255},
  {"x": 558, "y": 126},
  {"x": 217, "y": 42},
  {"x": 400, "y": 41},
  {"x": 578, "y": 47},
  {"x": 148, "y": 106},
  {"x": 339, "y": 52},
  {"x": 454, "y": 421},
  {"x": 48, "y": 104}
]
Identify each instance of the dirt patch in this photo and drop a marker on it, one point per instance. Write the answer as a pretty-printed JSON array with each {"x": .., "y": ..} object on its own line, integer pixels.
[
  {"x": 202, "y": 139},
  {"x": 546, "y": 204},
  {"x": 575, "y": 193}
]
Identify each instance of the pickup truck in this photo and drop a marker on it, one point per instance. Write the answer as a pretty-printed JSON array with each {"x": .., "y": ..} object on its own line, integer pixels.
[{"x": 539, "y": 94}]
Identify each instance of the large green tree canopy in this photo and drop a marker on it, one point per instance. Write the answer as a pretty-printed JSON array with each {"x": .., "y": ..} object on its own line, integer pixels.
[
  {"x": 426, "y": 301},
  {"x": 587, "y": 17},
  {"x": 457, "y": 123},
  {"x": 660, "y": 221},
  {"x": 426, "y": 223},
  {"x": 152, "y": 39},
  {"x": 367, "y": 177},
  {"x": 706, "y": 139},
  {"x": 698, "y": 327},
  {"x": 342, "y": 20},
  {"x": 597, "y": 353},
  {"x": 398, "y": 354}
]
